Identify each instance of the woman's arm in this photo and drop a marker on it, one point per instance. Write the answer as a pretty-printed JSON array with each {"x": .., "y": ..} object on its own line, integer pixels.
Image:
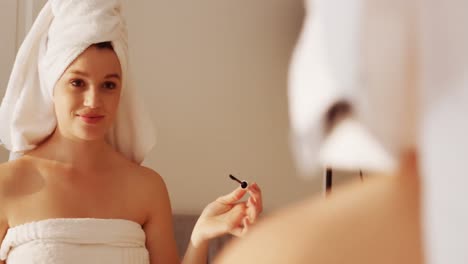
[
  {"x": 158, "y": 228},
  {"x": 226, "y": 215},
  {"x": 376, "y": 221}
]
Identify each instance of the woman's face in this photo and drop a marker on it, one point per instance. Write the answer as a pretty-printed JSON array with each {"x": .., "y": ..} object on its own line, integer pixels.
[{"x": 86, "y": 96}]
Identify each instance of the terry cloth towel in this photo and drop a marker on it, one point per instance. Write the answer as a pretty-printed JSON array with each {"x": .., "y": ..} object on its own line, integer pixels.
[
  {"x": 354, "y": 53},
  {"x": 75, "y": 240}
]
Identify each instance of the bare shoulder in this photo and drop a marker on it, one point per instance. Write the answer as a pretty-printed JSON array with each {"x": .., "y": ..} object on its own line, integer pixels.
[
  {"x": 5, "y": 176},
  {"x": 141, "y": 179},
  {"x": 359, "y": 223},
  {"x": 143, "y": 185},
  {"x": 8, "y": 184},
  {"x": 17, "y": 173},
  {"x": 149, "y": 186},
  {"x": 8, "y": 174},
  {"x": 6, "y": 169},
  {"x": 149, "y": 174},
  {"x": 147, "y": 179},
  {"x": 158, "y": 226}
]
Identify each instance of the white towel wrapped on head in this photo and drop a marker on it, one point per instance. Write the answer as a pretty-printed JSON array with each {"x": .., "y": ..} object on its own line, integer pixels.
[
  {"x": 355, "y": 52},
  {"x": 61, "y": 32}
]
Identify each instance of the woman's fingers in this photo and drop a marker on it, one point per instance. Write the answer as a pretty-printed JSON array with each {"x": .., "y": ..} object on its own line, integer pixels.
[
  {"x": 232, "y": 197},
  {"x": 233, "y": 217},
  {"x": 255, "y": 192},
  {"x": 246, "y": 224},
  {"x": 254, "y": 203},
  {"x": 228, "y": 214},
  {"x": 238, "y": 231},
  {"x": 241, "y": 230},
  {"x": 252, "y": 210}
]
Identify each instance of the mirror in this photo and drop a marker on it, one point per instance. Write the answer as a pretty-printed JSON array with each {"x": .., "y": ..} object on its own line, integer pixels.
[{"x": 213, "y": 76}]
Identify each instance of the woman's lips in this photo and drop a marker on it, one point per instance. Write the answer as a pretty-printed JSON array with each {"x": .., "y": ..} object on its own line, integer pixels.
[{"x": 91, "y": 119}]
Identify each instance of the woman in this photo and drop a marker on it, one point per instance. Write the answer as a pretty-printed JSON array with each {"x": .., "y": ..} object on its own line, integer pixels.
[
  {"x": 396, "y": 70},
  {"x": 75, "y": 191}
]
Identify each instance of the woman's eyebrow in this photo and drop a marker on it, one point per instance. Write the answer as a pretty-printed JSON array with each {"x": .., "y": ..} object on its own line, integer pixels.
[
  {"x": 113, "y": 75},
  {"x": 79, "y": 73}
]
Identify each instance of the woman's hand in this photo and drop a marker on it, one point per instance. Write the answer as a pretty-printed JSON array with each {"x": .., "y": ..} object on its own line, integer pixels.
[{"x": 226, "y": 215}]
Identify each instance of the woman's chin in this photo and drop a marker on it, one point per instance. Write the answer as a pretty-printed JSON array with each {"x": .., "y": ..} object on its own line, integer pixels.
[
  {"x": 91, "y": 134},
  {"x": 93, "y": 138}
]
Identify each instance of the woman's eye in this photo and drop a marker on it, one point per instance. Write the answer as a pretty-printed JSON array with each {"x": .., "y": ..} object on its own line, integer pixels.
[
  {"x": 110, "y": 85},
  {"x": 77, "y": 83}
]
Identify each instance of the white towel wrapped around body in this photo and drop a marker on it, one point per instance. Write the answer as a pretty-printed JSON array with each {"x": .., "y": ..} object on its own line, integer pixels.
[
  {"x": 75, "y": 240},
  {"x": 61, "y": 32}
]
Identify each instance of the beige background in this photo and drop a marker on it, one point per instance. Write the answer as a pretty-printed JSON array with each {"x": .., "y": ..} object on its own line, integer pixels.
[
  {"x": 8, "y": 30},
  {"x": 213, "y": 75}
]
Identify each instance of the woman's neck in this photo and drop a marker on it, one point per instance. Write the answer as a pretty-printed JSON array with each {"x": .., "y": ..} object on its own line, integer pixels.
[{"x": 78, "y": 153}]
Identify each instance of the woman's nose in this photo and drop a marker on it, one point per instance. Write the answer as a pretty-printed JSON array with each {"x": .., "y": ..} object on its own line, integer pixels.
[{"x": 92, "y": 98}]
